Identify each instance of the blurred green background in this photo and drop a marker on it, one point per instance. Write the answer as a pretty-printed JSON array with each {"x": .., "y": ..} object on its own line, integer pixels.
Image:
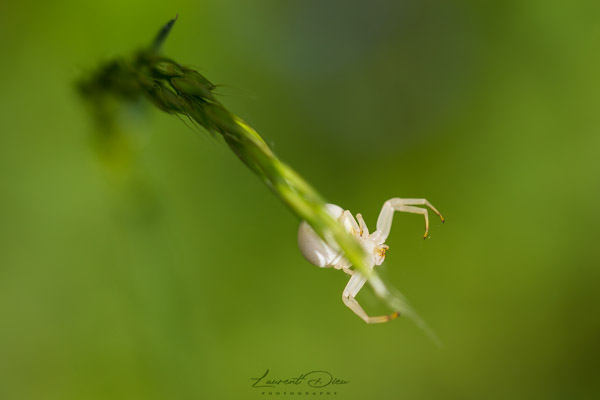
[{"x": 177, "y": 275}]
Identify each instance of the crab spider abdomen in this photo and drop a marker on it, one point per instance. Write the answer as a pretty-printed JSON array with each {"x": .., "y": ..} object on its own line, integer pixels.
[{"x": 313, "y": 248}]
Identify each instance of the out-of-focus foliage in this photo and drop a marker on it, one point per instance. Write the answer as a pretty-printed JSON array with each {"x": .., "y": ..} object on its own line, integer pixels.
[{"x": 165, "y": 270}]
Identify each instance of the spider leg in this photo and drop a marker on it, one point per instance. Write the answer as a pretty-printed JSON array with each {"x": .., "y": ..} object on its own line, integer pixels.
[
  {"x": 364, "y": 231},
  {"x": 348, "y": 222},
  {"x": 344, "y": 265},
  {"x": 384, "y": 222},
  {"x": 348, "y": 296}
]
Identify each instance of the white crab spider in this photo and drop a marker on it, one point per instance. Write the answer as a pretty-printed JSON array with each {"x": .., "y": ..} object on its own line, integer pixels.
[{"x": 324, "y": 255}]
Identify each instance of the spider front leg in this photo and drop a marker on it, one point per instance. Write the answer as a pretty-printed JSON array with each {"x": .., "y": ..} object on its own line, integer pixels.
[
  {"x": 348, "y": 296},
  {"x": 384, "y": 222}
]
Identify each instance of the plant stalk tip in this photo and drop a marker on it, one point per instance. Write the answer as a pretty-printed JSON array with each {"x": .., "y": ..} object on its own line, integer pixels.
[{"x": 163, "y": 33}]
